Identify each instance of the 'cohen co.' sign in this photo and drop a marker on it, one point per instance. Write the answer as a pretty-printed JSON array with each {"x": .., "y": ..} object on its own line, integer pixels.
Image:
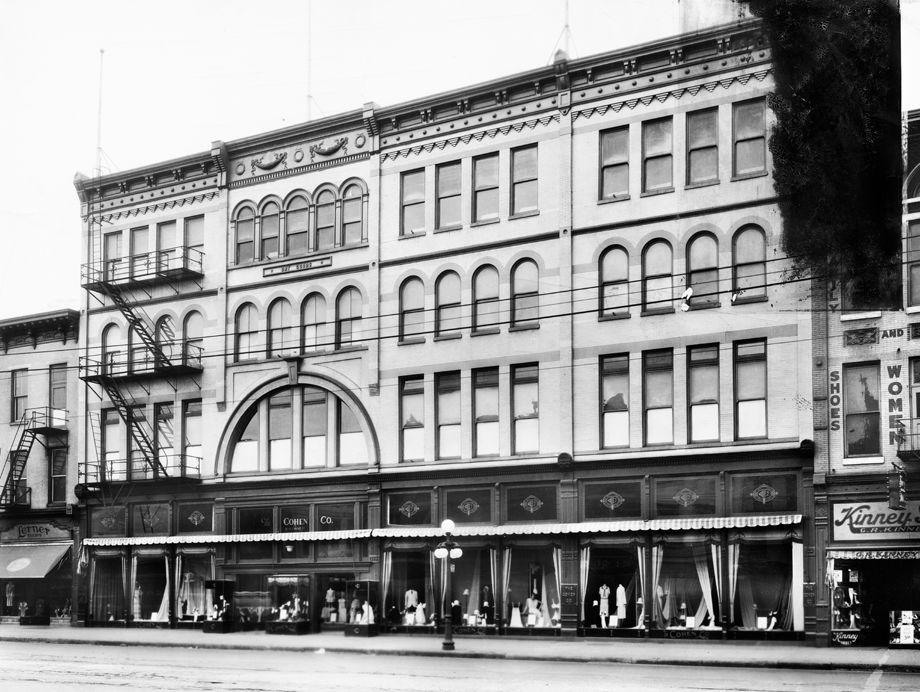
[{"x": 875, "y": 521}]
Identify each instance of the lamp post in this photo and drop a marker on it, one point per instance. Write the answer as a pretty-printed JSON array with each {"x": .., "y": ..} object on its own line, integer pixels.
[{"x": 448, "y": 550}]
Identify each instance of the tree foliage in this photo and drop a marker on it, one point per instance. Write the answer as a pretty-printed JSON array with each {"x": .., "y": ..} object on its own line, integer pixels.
[{"x": 836, "y": 143}]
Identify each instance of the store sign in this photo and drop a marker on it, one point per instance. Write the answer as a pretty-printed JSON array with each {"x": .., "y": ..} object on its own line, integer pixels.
[
  {"x": 295, "y": 519},
  {"x": 569, "y": 595},
  {"x": 297, "y": 267},
  {"x": 875, "y": 521},
  {"x": 33, "y": 532}
]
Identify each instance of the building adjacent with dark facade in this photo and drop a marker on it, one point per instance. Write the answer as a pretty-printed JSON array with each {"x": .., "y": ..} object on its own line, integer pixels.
[
  {"x": 39, "y": 440},
  {"x": 549, "y": 307}
]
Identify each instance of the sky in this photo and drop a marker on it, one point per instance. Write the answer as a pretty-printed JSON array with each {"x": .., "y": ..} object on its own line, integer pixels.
[{"x": 181, "y": 74}]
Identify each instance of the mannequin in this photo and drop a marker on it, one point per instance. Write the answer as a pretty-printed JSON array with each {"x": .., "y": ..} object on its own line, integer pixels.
[
  {"x": 420, "y": 614},
  {"x": 456, "y": 613},
  {"x": 354, "y": 608},
  {"x": 516, "y": 615},
  {"x": 604, "y": 593},
  {"x": 411, "y": 597},
  {"x": 485, "y": 604},
  {"x": 342, "y": 613},
  {"x": 367, "y": 617},
  {"x": 621, "y": 602},
  {"x": 532, "y": 609},
  {"x": 136, "y": 606}
]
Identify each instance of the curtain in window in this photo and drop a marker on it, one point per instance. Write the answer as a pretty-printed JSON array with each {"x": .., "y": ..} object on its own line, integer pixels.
[
  {"x": 472, "y": 602},
  {"x": 506, "y": 579},
  {"x": 493, "y": 559},
  {"x": 163, "y": 611},
  {"x": 430, "y": 592},
  {"x": 702, "y": 573},
  {"x": 734, "y": 552},
  {"x": 716, "y": 549},
  {"x": 585, "y": 567},
  {"x": 444, "y": 604},
  {"x": 557, "y": 567},
  {"x": 657, "y": 558},
  {"x": 386, "y": 572},
  {"x": 135, "y": 601},
  {"x": 640, "y": 555}
]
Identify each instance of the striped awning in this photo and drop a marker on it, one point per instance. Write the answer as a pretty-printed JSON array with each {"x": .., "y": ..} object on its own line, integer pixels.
[{"x": 291, "y": 536}]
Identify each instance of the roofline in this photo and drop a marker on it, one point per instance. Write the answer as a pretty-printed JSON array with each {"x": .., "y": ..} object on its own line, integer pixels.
[{"x": 65, "y": 315}]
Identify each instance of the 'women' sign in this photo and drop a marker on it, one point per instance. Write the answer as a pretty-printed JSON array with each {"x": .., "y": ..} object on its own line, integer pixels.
[{"x": 875, "y": 521}]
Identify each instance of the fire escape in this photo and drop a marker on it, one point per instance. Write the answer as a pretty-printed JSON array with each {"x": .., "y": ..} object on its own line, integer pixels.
[{"x": 35, "y": 425}]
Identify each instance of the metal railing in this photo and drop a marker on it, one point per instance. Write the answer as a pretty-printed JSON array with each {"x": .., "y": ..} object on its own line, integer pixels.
[
  {"x": 144, "y": 267},
  {"x": 908, "y": 438},
  {"x": 142, "y": 363},
  {"x": 137, "y": 469}
]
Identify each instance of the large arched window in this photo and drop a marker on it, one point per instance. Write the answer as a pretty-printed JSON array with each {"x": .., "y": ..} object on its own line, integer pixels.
[
  {"x": 297, "y": 229},
  {"x": 657, "y": 286},
  {"x": 165, "y": 337},
  {"x": 749, "y": 275},
  {"x": 113, "y": 358},
  {"x": 525, "y": 293},
  {"x": 447, "y": 302},
  {"x": 348, "y": 317},
  {"x": 703, "y": 270},
  {"x": 485, "y": 298},
  {"x": 245, "y": 236},
  {"x": 325, "y": 220},
  {"x": 352, "y": 216},
  {"x": 271, "y": 231},
  {"x": 314, "y": 319},
  {"x": 411, "y": 308},
  {"x": 303, "y": 423},
  {"x": 282, "y": 330},
  {"x": 614, "y": 283},
  {"x": 246, "y": 333},
  {"x": 193, "y": 338}
]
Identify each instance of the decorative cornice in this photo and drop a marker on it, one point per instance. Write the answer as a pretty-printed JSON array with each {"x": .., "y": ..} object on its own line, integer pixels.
[
  {"x": 466, "y": 139},
  {"x": 114, "y": 217},
  {"x": 285, "y": 172},
  {"x": 663, "y": 96}
]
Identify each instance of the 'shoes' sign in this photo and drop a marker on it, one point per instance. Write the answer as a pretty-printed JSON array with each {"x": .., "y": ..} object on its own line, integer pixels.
[{"x": 875, "y": 521}]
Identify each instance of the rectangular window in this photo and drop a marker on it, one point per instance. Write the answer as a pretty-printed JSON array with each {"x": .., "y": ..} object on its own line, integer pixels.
[
  {"x": 412, "y": 417},
  {"x": 861, "y": 409},
  {"x": 194, "y": 232},
  {"x": 167, "y": 257},
  {"x": 140, "y": 465},
  {"x": 352, "y": 218},
  {"x": 271, "y": 235},
  {"x": 524, "y": 184},
  {"x": 164, "y": 434},
  {"x": 485, "y": 411},
  {"x": 703, "y": 146},
  {"x": 192, "y": 431},
  {"x": 485, "y": 188},
  {"x": 280, "y": 430},
  {"x": 113, "y": 468},
  {"x": 657, "y": 165},
  {"x": 703, "y": 392},
  {"x": 57, "y": 477},
  {"x": 325, "y": 222},
  {"x": 749, "y": 134},
  {"x": 658, "y": 396},
  {"x": 413, "y": 202},
  {"x": 615, "y": 400},
  {"x": 245, "y": 238},
  {"x": 19, "y": 389},
  {"x": 750, "y": 389},
  {"x": 140, "y": 258},
  {"x": 526, "y": 402},
  {"x": 57, "y": 386},
  {"x": 447, "y": 385},
  {"x": 352, "y": 449},
  {"x": 296, "y": 225},
  {"x": 111, "y": 256},
  {"x": 913, "y": 263},
  {"x": 447, "y": 180},
  {"x": 315, "y": 426},
  {"x": 614, "y": 175}
]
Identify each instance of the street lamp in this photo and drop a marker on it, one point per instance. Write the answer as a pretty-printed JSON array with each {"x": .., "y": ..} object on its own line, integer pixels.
[{"x": 449, "y": 550}]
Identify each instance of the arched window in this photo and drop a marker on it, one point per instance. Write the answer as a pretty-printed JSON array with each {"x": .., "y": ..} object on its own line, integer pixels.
[
  {"x": 325, "y": 220},
  {"x": 525, "y": 293},
  {"x": 657, "y": 286},
  {"x": 614, "y": 283},
  {"x": 447, "y": 302},
  {"x": 165, "y": 337},
  {"x": 271, "y": 231},
  {"x": 282, "y": 330},
  {"x": 703, "y": 270},
  {"x": 113, "y": 359},
  {"x": 193, "y": 337},
  {"x": 411, "y": 308},
  {"x": 245, "y": 236},
  {"x": 317, "y": 414},
  {"x": 297, "y": 230},
  {"x": 485, "y": 297},
  {"x": 352, "y": 216},
  {"x": 246, "y": 331},
  {"x": 749, "y": 275},
  {"x": 314, "y": 317},
  {"x": 348, "y": 317}
]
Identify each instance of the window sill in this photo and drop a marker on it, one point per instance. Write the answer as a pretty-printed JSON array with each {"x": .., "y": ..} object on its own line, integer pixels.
[
  {"x": 612, "y": 200},
  {"x": 522, "y": 327},
  {"x": 484, "y": 222},
  {"x": 447, "y": 229},
  {"x": 751, "y": 440},
  {"x": 863, "y": 461},
  {"x": 705, "y": 306},
  {"x": 912, "y": 309},
  {"x": 652, "y": 193},
  {"x": 657, "y": 311},
  {"x": 748, "y": 176},
  {"x": 855, "y": 316},
  {"x": 348, "y": 349},
  {"x": 448, "y": 337},
  {"x": 524, "y": 215},
  {"x": 742, "y": 300},
  {"x": 486, "y": 332},
  {"x": 409, "y": 236},
  {"x": 613, "y": 317},
  {"x": 706, "y": 183},
  {"x": 411, "y": 341}
]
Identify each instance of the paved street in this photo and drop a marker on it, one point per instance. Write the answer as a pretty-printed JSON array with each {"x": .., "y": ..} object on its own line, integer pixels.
[{"x": 47, "y": 666}]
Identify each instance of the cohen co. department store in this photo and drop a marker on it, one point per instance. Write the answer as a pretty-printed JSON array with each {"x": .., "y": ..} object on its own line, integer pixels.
[{"x": 306, "y": 348}]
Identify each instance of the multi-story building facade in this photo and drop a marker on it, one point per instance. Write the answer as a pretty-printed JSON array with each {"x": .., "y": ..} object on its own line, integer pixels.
[
  {"x": 867, "y": 394},
  {"x": 549, "y": 308},
  {"x": 39, "y": 439}
]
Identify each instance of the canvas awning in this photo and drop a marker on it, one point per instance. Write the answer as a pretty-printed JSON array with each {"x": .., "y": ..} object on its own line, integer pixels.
[
  {"x": 30, "y": 560},
  {"x": 290, "y": 536}
]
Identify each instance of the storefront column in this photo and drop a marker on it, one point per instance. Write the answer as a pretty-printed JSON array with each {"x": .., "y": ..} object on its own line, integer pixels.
[
  {"x": 798, "y": 579},
  {"x": 571, "y": 586},
  {"x": 726, "y": 603}
]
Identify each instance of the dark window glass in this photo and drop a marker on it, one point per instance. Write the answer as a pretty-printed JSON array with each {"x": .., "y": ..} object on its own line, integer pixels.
[
  {"x": 409, "y": 508},
  {"x": 468, "y": 506},
  {"x": 764, "y": 493},
  {"x": 685, "y": 496},
  {"x": 621, "y": 500},
  {"x": 861, "y": 409},
  {"x": 532, "y": 503}
]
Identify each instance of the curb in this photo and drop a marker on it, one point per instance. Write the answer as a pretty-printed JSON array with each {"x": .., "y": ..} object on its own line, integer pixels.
[{"x": 634, "y": 660}]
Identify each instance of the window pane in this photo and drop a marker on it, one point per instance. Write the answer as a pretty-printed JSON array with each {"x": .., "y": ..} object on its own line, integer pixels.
[
  {"x": 615, "y": 146},
  {"x": 702, "y": 129},
  {"x": 449, "y": 179},
  {"x": 526, "y": 435},
  {"x": 749, "y": 119},
  {"x": 615, "y": 265},
  {"x": 486, "y": 438},
  {"x": 449, "y": 212},
  {"x": 449, "y": 441},
  {"x": 526, "y": 278},
  {"x": 703, "y": 165},
  {"x": 526, "y": 400},
  {"x": 752, "y": 418},
  {"x": 656, "y": 137},
  {"x": 413, "y": 186},
  {"x": 658, "y": 259},
  {"x": 862, "y": 434},
  {"x": 751, "y": 382},
  {"x": 749, "y": 156},
  {"x": 616, "y": 180},
  {"x": 449, "y": 318},
  {"x": 525, "y": 197},
  {"x": 485, "y": 171},
  {"x": 659, "y": 426},
  {"x": 487, "y": 313},
  {"x": 749, "y": 246},
  {"x": 487, "y": 283},
  {"x": 413, "y": 410},
  {"x": 704, "y": 384},
  {"x": 279, "y": 416},
  {"x": 524, "y": 163},
  {"x": 487, "y": 204},
  {"x": 659, "y": 388},
  {"x": 658, "y": 293},
  {"x": 616, "y": 297},
  {"x": 413, "y": 444},
  {"x": 315, "y": 421},
  {"x": 915, "y": 284},
  {"x": 862, "y": 389},
  {"x": 658, "y": 173},
  {"x": 703, "y": 253},
  {"x": 616, "y": 392},
  {"x": 751, "y": 279},
  {"x": 413, "y": 295},
  {"x": 413, "y": 218},
  {"x": 616, "y": 429},
  {"x": 704, "y": 422}
]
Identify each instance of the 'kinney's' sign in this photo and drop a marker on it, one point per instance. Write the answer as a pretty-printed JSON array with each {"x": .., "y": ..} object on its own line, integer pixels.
[{"x": 875, "y": 521}]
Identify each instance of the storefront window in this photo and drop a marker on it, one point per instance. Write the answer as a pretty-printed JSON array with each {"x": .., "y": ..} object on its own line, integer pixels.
[
  {"x": 254, "y": 520},
  {"x": 335, "y": 518},
  {"x": 335, "y": 606},
  {"x": 150, "y": 588},
  {"x": 760, "y": 585},
  {"x": 290, "y": 597},
  {"x": 685, "y": 586},
  {"x": 408, "y": 587},
  {"x": 193, "y": 600},
  {"x": 532, "y": 583},
  {"x": 252, "y": 603},
  {"x": 472, "y": 596},
  {"x": 107, "y": 589},
  {"x": 613, "y": 587}
]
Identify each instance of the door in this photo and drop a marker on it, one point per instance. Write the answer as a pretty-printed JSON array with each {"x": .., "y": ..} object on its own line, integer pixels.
[{"x": 111, "y": 255}]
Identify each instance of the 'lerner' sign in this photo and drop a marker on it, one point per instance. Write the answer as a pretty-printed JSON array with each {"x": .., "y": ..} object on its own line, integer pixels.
[{"x": 875, "y": 521}]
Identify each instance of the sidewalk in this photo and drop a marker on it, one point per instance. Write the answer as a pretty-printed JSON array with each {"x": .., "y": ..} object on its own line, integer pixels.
[{"x": 652, "y": 651}]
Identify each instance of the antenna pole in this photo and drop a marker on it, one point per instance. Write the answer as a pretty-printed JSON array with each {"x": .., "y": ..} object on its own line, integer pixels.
[
  {"x": 566, "y": 30},
  {"x": 98, "y": 169},
  {"x": 309, "y": 59}
]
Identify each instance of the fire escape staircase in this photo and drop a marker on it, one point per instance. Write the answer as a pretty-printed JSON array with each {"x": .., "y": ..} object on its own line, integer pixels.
[{"x": 34, "y": 422}]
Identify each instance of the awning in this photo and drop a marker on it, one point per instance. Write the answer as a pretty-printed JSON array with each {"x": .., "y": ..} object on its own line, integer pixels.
[
  {"x": 873, "y": 554},
  {"x": 291, "y": 536},
  {"x": 30, "y": 560}
]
